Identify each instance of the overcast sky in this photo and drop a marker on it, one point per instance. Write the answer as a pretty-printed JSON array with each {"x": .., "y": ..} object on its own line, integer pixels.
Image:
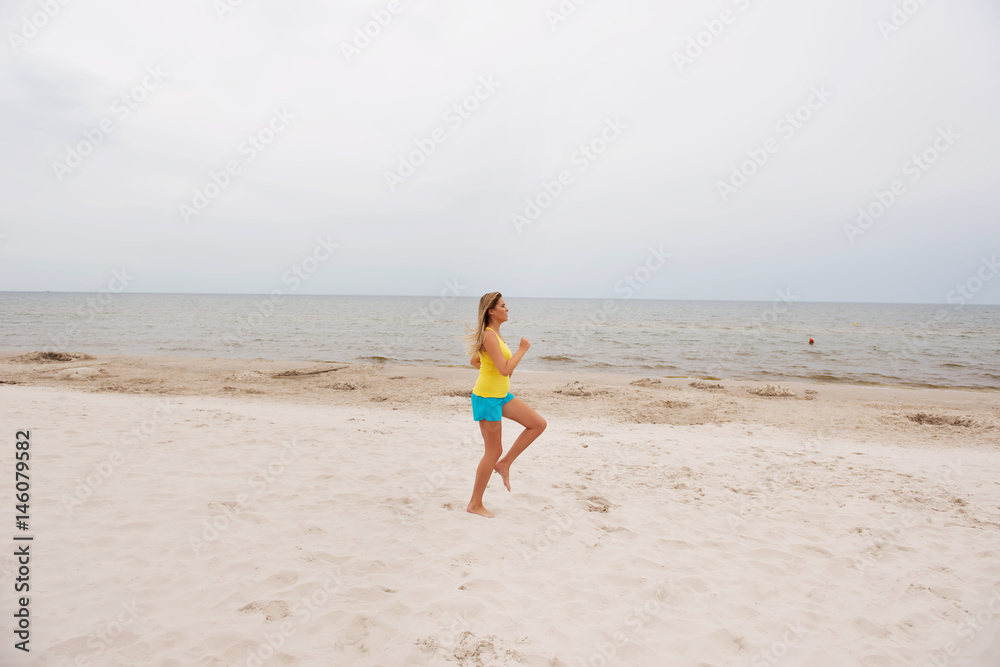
[{"x": 819, "y": 107}]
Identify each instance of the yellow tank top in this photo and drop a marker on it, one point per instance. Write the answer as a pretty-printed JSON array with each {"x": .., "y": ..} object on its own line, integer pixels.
[{"x": 490, "y": 383}]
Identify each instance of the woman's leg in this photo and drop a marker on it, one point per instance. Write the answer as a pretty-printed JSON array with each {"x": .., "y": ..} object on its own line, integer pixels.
[
  {"x": 533, "y": 424},
  {"x": 494, "y": 447}
]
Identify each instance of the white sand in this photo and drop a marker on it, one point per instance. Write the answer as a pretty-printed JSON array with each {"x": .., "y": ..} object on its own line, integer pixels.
[{"x": 649, "y": 525}]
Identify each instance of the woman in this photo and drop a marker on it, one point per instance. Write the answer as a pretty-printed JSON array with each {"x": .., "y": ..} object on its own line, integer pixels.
[{"x": 491, "y": 397}]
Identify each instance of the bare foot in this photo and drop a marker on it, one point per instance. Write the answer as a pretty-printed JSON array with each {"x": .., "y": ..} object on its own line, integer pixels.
[
  {"x": 480, "y": 510},
  {"x": 504, "y": 470}
]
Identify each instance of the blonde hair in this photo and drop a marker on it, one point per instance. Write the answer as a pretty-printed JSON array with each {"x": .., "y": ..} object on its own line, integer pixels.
[{"x": 474, "y": 336}]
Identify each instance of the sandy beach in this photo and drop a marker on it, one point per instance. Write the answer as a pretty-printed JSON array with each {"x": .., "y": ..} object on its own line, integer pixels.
[{"x": 249, "y": 512}]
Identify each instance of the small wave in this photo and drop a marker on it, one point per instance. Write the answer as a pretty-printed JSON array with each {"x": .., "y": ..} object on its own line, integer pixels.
[
  {"x": 952, "y": 366},
  {"x": 375, "y": 358},
  {"x": 556, "y": 357},
  {"x": 829, "y": 377},
  {"x": 888, "y": 380}
]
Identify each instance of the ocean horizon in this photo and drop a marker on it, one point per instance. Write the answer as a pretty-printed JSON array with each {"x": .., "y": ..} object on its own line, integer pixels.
[{"x": 512, "y": 296}]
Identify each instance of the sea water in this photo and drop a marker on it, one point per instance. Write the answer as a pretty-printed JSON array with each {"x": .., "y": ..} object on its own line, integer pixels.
[{"x": 908, "y": 344}]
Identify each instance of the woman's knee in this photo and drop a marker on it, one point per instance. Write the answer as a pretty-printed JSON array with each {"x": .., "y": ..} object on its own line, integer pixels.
[{"x": 540, "y": 424}]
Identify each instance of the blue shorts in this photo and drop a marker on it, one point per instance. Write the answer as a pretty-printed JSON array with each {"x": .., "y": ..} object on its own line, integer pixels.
[{"x": 489, "y": 409}]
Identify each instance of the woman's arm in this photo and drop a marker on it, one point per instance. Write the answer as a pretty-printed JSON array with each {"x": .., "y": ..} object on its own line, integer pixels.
[
  {"x": 475, "y": 361},
  {"x": 504, "y": 366}
]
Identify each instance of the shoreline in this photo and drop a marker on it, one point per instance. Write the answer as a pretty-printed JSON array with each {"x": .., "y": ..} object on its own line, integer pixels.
[{"x": 443, "y": 371}]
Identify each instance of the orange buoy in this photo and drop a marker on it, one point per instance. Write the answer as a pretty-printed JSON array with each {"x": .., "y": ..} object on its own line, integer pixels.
[{"x": 811, "y": 341}]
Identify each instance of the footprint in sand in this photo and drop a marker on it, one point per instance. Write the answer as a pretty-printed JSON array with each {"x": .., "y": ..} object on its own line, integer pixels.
[
  {"x": 598, "y": 504},
  {"x": 272, "y": 609}
]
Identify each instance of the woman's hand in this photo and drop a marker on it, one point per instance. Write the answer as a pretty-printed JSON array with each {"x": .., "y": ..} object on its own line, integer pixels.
[
  {"x": 524, "y": 344},
  {"x": 476, "y": 363}
]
